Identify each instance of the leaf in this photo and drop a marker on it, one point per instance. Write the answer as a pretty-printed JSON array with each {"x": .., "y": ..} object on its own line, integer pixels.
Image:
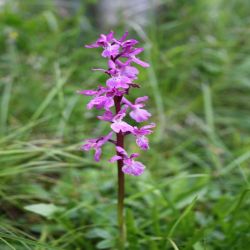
[
  {"x": 98, "y": 233},
  {"x": 104, "y": 244},
  {"x": 46, "y": 210},
  {"x": 173, "y": 244},
  {"x": 184, "y": 213}
]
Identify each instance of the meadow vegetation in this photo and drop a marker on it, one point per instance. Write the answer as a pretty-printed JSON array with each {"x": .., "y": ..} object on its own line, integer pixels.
[{"x": 195, "y": 191}]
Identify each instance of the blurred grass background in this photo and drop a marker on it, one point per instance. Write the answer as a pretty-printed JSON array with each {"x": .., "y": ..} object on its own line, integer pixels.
[{"x": 195, "y": 192}]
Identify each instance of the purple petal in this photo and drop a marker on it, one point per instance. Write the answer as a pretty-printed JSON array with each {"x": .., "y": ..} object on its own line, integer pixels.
[
  {"x": 107, "y": 116},
  {"x": 134, "y": 155},
  {"x": 90, "y": 143},
  {"x": 130, "y": 72},
  {"x": 121, "y": 127},
  {"x": 91, "y": 46},
  {"x": 115, "y": 92},
  {"x": 140, "y": 62},
  {"x": 112, "y": 82},
  {"x": 100, "y": 102},
  {"x": 107, "y": 137},
  {"x": 98, "y": 153},
  {"x": 115, "y": 127},
  {"x": 102, "y": 41},
  {"x": 87, "y": 92},
  {"x": 126, "y": 101},
  {"x": 124, "y": 36},
  {"x": 129, "y": 43},
  {"x": 111, "y": 64},
  {"x": 115, "y": 158},
  {"x": 111, "y": 50},
  {"x": 109, "y": 103},
  {"x": 110, "y": 36},
  {"x": 151, "y": 125},
  {"x": 119, "y": 116},
  {"x": 142, "y": 142},
  {"x": 86, "y": 147},
  {"x": 136, "y": 51},
  {"x": 118, "y": 82},
  {"x": 139, "y": 115},
  {"x": 145, "y": 130},
  {"x": 141, "y": 99},
  {"x": 136, "y": 168},
  {"x": 121, "y": 151}
]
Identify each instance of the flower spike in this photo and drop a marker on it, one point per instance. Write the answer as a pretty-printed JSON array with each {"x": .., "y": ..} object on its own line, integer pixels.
[{"x": 122, "y": 57}]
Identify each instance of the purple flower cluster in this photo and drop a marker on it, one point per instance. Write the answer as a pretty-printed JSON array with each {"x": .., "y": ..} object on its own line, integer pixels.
[{"x": 121, "y": 54}]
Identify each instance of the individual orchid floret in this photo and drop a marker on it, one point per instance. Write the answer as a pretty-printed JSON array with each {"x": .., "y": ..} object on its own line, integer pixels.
[
  {"x": 123, "y": 69},
  {"x": 137, "y": 113},
  {"x": 122, "y": 75},
  {"x": 106, "y": 116},
  {"x": 119, "y": 125},
  {"x": 131, "y": 54},
  {"x": 119, "y": 81},
  {"x": 102, "y": 41},
  {"x": 111, "y": 50},
  {"x": 115, "y": 92},
  {"x": 97, "y": 144},
  {"x": 126, "y": 43},
  {"x": 130, "y": 72},
  {"x": 141, "y": 139},
  {"x": 100, "y": 102},
  {"x": 130, "y": 166},
  {"x": 90, "y": 92},
  {"x": 106, "y": 41}
]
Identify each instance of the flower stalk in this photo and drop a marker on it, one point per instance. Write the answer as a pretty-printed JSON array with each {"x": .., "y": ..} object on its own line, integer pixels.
[{"x": 121, "y": 180}]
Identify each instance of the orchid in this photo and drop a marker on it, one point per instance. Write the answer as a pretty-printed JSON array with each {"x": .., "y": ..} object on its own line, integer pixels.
[{"x": 121, "y": 56}]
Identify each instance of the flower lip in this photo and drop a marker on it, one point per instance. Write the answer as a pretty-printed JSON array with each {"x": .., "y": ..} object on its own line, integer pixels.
[{"x": 130, "y": 166}]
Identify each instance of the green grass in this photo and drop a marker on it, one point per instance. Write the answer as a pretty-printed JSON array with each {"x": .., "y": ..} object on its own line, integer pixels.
[{"x": 195, "y": 193}]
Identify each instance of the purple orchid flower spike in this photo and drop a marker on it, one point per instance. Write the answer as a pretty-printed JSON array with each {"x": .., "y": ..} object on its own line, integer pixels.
[
  {"x": 121, "y": 54},
  {"x": 130, "y": 166}
]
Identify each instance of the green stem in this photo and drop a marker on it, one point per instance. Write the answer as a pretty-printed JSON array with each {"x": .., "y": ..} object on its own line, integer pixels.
[{"x": 121, "y": 186}]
